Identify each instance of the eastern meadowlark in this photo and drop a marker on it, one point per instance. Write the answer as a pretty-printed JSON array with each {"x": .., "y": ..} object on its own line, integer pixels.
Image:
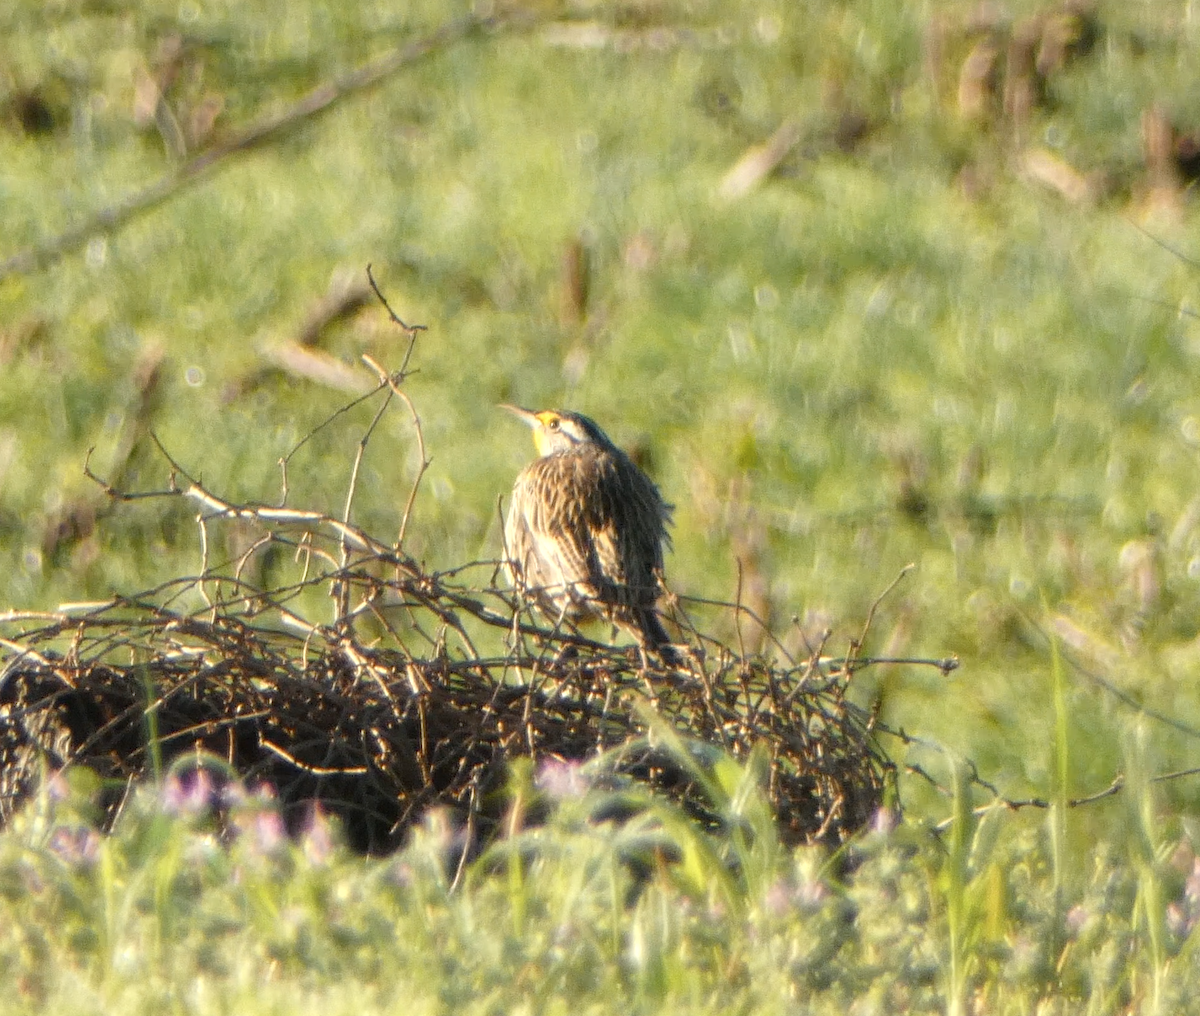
[{"x": 585, "y": 529}]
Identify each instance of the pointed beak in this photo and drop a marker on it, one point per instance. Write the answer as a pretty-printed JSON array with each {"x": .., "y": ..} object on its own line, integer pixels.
[{"x": 527, "y": 415}]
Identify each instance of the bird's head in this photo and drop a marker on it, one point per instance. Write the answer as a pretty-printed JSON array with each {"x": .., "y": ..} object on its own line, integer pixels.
[{"x": 556, "y": 430}]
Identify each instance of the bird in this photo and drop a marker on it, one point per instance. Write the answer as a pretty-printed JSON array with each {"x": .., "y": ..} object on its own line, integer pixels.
[{"x": 586, "y": 528}]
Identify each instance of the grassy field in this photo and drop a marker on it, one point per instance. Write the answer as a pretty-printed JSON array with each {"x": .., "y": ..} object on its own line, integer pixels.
[{"x": 863, "y": 284}]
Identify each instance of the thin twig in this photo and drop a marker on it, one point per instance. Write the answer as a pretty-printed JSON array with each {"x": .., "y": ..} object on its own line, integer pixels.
[
  {"x": 411, "y": 330},
  {"x": 393, "y": 381}
]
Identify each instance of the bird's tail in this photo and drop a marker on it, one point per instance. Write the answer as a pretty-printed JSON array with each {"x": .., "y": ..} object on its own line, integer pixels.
[{"x": 654, "y": 636}]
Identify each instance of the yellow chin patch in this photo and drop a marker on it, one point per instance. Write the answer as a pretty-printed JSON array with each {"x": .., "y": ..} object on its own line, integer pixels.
[{"x": 541, "y": 439}]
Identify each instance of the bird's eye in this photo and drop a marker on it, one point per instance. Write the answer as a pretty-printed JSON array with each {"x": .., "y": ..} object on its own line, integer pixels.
[{"x": 553, "y": 425}]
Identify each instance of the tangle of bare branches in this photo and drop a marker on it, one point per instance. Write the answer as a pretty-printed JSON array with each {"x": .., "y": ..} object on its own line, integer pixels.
[{"x": 417, "y": 688}]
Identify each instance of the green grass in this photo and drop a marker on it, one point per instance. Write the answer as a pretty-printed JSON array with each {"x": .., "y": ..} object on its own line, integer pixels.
[
  {"x": 180, "y": 911},
  {"x": 863, "y": 330}
]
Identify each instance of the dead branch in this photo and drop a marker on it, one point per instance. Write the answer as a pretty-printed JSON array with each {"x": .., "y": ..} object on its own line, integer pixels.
[{"x": 267, "y": 130}]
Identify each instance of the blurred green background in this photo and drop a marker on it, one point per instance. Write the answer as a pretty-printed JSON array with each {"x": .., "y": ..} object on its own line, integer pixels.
[{"x": 861, "y": 284}]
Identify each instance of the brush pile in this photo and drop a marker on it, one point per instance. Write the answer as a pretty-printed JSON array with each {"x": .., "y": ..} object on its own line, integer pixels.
[
  {"x": 420, "y": 691},
  {"x": 398, "y": 706}
]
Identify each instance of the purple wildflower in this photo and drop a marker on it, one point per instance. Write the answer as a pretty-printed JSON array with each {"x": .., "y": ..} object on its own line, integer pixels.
[
  {"x": 778, "y": 898},
  {"x": 1076, "y": 920},
  {"x": 810, "y": 894},
  {"x": 76, "y": 845},
  {"x": 317, "y": 840},
  {"x": 57, "y": 786},
  {"x": 267, "y": 831},
  {"x": 191, "y": 794},
  {"x": 561, "y": 779},
  {"x": 884, "y": 821},
  {"x": 1191, "y": 888}
]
